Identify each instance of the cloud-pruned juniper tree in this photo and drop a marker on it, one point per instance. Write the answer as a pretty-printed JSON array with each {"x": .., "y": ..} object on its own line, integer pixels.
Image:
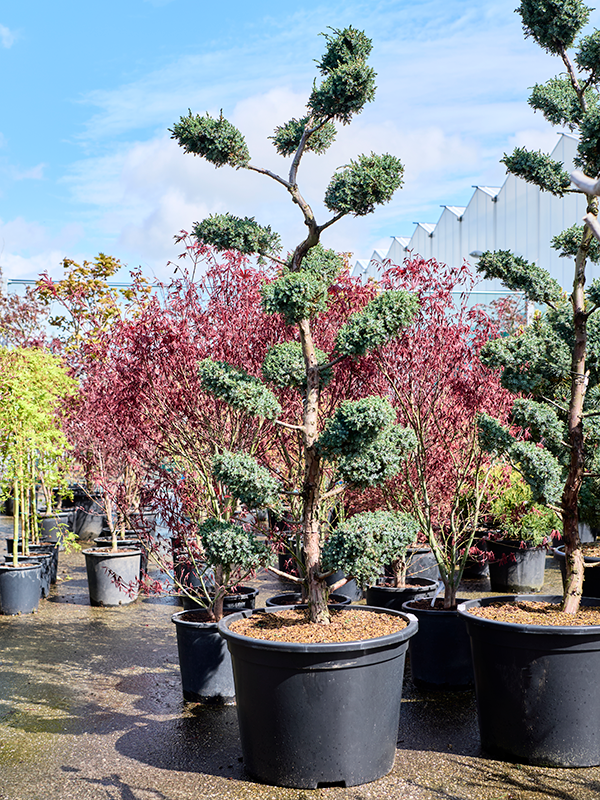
[
  {"x": 553, "y": 364},
  {"x": 361, "y": 440}
]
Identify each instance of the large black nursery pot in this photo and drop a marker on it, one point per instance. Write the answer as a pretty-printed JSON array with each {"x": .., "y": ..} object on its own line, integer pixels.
[
  {"x": 204, "y": 660},
  {"x": 516, "y": 569},
  {"x": 537, "y": 699},
  {"x": 591, "y": 577},
  {"x": 394, "y": 597},
  {"x": 440, "y": 654},
  {"x": 45, "y": 562},
  {"x": 103, "y": 566},
  {"x": 20, "y": 588},
  {"x": 36, "y": 549},
  {"x": 315, "y": 715}
]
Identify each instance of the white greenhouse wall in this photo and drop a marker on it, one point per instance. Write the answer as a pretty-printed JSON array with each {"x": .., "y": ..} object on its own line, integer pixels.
[{"x": 517, "y": 217}]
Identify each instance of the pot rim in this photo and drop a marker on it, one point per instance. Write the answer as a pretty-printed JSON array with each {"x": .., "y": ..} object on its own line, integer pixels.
[
  {"x": 411, "y": 583},
  {"x": 104, "y": 552},
  {"x": 540, "y": 630},
  {"x": 560, "y": 551},
  {"x": 319, "y": 647},
  {"x": 23, "y": 566},
  {"x": 176, "y": 619}
]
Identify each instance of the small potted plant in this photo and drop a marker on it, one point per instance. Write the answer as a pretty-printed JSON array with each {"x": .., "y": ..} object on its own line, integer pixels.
[
  {"x": 364, "y": 544},
  {"x": 520, "y": 533},
  {"x": 223, "y": 554}
]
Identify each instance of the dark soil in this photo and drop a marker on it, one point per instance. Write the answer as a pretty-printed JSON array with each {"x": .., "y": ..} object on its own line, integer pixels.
[
  {"x": 425, "y": 605},
  {"x": 537, "y": 613},
  {"x": 292, "y": 625}
]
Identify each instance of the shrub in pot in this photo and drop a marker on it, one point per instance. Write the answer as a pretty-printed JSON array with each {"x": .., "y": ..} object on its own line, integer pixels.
[
  {"x": 229, "y": 553},
  {"x": 363, "y": 543},
  {"x": 521, "y": 533},
  {"x": 360, "y": 443},
  {"x": 533, "y": 658}
]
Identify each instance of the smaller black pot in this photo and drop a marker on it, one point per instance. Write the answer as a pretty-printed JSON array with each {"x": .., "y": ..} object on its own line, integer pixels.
[
  {"x": 295, "y": 599},
  {"x": 20, "y": 588},
  {"x": 106, "y": 541},
  {"x": 391, "y": 597},
  {"x": 244, "y": 597},
  {"x": 516, "y": 569},
  {"x": 351, "y": 589},
  {"x": 421, "y": 563},
  {"x": 54, "y": 525},
  {"x": 204, "y": 660},
  {"x": 100, "y": 563}
]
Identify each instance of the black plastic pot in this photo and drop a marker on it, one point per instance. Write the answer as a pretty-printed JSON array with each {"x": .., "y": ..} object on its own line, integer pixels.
[
  {"x": 204, "y": 660},
  {"x": 19, "y": 588},
  {"x": 515, "y": 568},
  {"x": 35, "y": 549},
  {"x": 101, "y": 564},
  {"x": 87, "y": 517},
  {"x": 45, "y": 562},
  {"x": 295, "y": 598},
  {"x": 52, "y": 550},
  {"x": 440, "y": 654},
  {"x": 351, "y": 589},
  {"x": 421, "y": 563},
  {"x": 129, "y": 543},
  {"x": 315, "y": 715},
  {"x": 53, "y": 526},
  {"x": 536, "y": 688},
  {"x": 244, "y": 597},
  {"x": 591, "y": 577},
  {"x": 390, "y": 597}
]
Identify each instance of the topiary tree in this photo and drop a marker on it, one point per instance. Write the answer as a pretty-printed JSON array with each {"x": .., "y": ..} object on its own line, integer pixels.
[
  {"x": 361, "y": 440},
  {"x": 552, "y": 365}
]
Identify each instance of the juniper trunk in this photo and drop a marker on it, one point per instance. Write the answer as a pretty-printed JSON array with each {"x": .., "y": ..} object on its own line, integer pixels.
[
  {"x": 311, "y": 528},
  {"x": 573, "y": 552}
]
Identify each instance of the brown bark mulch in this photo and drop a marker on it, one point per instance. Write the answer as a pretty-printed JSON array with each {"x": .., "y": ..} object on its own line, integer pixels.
[
  {"x": 537, "y": 613},
  {"x": 292, "y": 625}
]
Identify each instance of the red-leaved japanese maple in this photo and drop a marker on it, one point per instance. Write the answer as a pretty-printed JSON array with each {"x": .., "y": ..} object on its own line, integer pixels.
[{"x": 439, "y": 386}]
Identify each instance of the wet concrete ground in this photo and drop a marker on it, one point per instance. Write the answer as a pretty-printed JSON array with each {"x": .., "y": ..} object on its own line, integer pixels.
[{"x": 91, "y": 709}]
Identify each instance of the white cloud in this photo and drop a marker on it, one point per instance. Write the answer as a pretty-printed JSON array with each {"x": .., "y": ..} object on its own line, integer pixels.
[
  {"x": 7, "y": 37},
  {"x": 28, "y": 248}
]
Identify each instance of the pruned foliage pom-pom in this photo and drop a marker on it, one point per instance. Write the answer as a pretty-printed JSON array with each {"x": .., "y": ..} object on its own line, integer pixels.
[
  {"x": 284, "y": 366},
  {"x": 380, "y": 320},
  {"x": 242, "y": 234},
  {"x": 248, "y": 481},
  {"x": 365, "y": 183},
  {"x": 362, "y": 544},
  {"x": 296, "y": 296},
  {"x": 238, "y": 389},
  {"x": 519, "y": 275},
  {"x": 538, "y": 168},
  {"x": 553, "y": 24},
  {"x": 228, "y": 545},
  {"x": 216, "y": 140},
  {"x": 287, "y": 137}
]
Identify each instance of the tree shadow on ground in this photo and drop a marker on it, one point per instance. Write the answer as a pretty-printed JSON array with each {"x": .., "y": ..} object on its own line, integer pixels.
[{"x": 206, "y": 740}]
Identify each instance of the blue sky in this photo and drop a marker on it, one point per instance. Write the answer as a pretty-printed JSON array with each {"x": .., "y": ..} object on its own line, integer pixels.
[{"x": 90, "y": 90}]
